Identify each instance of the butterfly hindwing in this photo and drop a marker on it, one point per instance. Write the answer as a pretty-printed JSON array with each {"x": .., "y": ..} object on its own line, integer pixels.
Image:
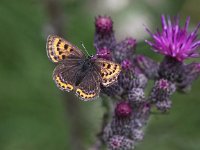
[
  {"x": 109, "y": 71},
  {"x": 59, "y": 49},
  {"x": 89, "y": 87},
  {"x": 64, "y": 74}
]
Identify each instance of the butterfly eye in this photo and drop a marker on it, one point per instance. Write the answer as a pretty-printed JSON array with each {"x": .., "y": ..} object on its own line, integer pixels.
[
  {"x": 66, "y": 46},
  {"x": 108, "y": 66}
]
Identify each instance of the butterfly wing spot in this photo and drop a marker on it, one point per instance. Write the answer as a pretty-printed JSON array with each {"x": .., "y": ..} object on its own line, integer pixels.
[
  {"x": 63, "y": 85},
  {"x": 63, "y": 49},
  {"x": 84, "y": 95},
  {"x": 63, "y": 56},
  {"x": 65, "y": 46}
]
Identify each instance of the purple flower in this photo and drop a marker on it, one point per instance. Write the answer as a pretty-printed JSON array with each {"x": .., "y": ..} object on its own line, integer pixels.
[
  {"x": 136, "y": 95},
  {"x": 103, "y": 24},
  {"x": 104, "y": 53},
  {"x": 161, "y": 93},
  {"x": 118, "y": 142},
  {"x": 164, "y": 106},
  {"x": 191, "y": 73},
  {"x": 129, "y": 105},
  {"x": 147, "y": 65},
  {"x": 104, "y": 34},
  {"x": 138, "y": 134},
  {"x": 175, "y": 41},
  {"x": 163, "y": 84},
  {"x": 126, "y": 64},
  {"x": 124, "y": 49},
  {"x": 123, "y": 109}
]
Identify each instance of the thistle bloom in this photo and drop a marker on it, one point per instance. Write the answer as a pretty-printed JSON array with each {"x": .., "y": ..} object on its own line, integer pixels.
[{"x": 175, "y": 41}]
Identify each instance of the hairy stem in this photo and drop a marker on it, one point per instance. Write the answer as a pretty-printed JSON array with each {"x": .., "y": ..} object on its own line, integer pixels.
[{"x": 99, "y": 143}]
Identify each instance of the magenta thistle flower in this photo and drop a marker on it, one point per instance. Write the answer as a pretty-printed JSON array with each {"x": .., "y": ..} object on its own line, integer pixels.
[{"x": 175, "y": 41}]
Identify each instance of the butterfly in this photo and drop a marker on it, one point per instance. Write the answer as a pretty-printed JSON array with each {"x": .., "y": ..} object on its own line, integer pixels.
[{"x": 77, "y": 72}]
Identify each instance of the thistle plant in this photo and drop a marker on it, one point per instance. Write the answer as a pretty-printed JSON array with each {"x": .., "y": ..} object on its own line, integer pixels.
[{"x": 129, "y": 108}]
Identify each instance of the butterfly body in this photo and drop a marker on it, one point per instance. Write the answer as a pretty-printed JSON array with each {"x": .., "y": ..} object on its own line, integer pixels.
[
  {"x": 87, "y": 65},
  {"x": 78, "y": 73}
]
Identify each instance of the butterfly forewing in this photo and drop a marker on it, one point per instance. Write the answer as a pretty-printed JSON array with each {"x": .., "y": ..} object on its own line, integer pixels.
[
  {"x": 109, "y": 71},
  {"x": 89, "y": 87},
  {"x": 59, "y": 49}
]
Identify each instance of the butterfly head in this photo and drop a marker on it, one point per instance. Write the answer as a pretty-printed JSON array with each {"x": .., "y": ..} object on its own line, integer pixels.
[{"x": 88, "y": 62}]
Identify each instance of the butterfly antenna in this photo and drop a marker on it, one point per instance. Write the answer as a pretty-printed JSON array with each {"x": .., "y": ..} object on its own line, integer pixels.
[{"x": 85, "y": 48}]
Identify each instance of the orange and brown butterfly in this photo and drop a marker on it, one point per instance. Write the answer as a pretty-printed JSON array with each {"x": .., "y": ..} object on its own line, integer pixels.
[{"x": 77, "y": 72}]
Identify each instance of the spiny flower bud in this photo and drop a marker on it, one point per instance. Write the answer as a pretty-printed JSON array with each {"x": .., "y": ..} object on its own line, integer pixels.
[
  {"x": 130, "y": 76},
  {"x": 164, "y": 106},
  {"x": 136, "y": 95},
  {"x": 161, "y": 93},
  {"x": 121, "y": 126},
  {"x": 126, "y": 79},
  {"x": 162, "y": 90},
  {"x": 103, "y": 24},
  {"x": 113, "y": 91},
  {"x": 121, "y": 122},
  {"x": 191, "y": 73},
  {"x": 123, "y": 110},
  {"x": 141, "y": 81},
  {"x": 126, "y": 64},
  {"x": 124, "y": 49},
  {"x": 118, "y": 142},
  {"x": 104, "y": 53},
  {"x": 148, "y": 66},
  {"x": 104, "y": 35},
  {"x": 163, "y": 84},
  {"x": 137, "y": 134},
  {"x": 171, "y": 69},
  {"x": 141, "y": 114}
]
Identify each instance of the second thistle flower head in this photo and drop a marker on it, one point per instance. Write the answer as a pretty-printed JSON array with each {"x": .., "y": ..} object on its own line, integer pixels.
[{"x": 175, "y": 41}]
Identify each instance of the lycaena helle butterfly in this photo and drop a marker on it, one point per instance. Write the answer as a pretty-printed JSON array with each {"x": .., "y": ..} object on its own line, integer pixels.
[{"x": 77, "y": 72}]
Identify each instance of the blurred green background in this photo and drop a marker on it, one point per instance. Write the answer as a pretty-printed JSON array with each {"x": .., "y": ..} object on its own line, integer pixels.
[{"x": 35, "y": 115}]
